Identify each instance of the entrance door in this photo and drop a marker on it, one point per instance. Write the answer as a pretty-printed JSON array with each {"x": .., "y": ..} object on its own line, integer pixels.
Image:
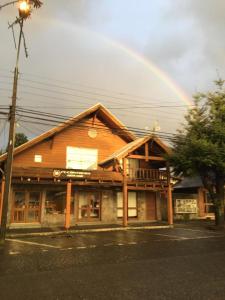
[
  {"x": 150, "y": 205},
  {"x": 89, "y": 206},
  {"x": 26, "y": 207}
]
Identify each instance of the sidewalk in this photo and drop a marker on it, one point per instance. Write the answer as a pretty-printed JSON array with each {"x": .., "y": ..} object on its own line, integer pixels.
[{"x": 48, "y": 231}]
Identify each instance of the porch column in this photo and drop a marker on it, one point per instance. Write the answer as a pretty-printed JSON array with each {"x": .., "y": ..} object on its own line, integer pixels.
[
  {"x": 124, "y": 192},
  {"x": 68, "y": 202},
  {"x": 2, "y": 195},
  {"x": 169, "y": 197}
]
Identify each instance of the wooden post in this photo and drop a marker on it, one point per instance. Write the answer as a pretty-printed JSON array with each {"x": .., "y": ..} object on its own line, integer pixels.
[
  {"x": 68, "y": 202},
  {"x": 2, "y": 195},
  {"x": 125, "y": 192},
  {"x": 169, "y": 205},
  {"x": 169, "y": 198},
  {"x": 146, "y": 152},
  {"x": 201, "y": 204}
]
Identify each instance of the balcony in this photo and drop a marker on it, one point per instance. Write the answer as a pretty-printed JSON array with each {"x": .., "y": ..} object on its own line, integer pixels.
[{"x": 153, "y": 175}]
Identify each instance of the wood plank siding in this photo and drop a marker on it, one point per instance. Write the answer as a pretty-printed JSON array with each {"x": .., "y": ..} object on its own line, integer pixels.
[{"x": 53, "y": 151}]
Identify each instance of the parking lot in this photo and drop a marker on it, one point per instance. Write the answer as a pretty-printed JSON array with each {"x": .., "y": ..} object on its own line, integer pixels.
[{"x": 178, "y": 263}]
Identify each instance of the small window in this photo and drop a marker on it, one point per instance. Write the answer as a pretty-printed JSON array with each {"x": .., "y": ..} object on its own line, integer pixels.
[{"x": 37, "y": 158}]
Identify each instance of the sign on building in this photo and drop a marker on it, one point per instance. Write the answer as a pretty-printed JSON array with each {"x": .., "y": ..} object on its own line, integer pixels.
[{"x": 188, "y": 206}]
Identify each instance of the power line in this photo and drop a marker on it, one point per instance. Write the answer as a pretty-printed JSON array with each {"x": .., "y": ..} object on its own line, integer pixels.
[
  {"x": 81, "y": 96},
  {"x": 120, "y": 97},
  {"x": 120, "y": 132},
  {"x": 120, "y": 93},
  {"x": 58, "y": 116},
  {"x": 66, "y": 100}
]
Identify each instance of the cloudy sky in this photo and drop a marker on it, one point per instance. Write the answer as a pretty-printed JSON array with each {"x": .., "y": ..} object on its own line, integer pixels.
[{"x": 142, "y": 59}]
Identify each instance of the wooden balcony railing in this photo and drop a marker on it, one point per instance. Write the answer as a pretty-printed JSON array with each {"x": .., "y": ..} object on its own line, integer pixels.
[{"x": 147, "y": 174}]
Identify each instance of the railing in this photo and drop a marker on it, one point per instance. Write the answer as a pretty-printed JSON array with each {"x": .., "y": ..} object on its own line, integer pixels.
[{"x": 147, "y": 174}]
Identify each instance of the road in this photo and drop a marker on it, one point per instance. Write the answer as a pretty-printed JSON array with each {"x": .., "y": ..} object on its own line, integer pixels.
[{"x": 180, "y": 263}]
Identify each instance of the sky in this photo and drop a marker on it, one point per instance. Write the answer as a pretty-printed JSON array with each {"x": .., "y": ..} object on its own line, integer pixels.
[{"x": 142, "y": 59}]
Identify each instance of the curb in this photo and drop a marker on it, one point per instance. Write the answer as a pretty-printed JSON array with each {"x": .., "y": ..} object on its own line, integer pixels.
[{"x": 15, "y": 235}]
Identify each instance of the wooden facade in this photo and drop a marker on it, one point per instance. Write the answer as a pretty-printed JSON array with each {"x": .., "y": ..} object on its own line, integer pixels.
[{"x": 89, "y": 169}]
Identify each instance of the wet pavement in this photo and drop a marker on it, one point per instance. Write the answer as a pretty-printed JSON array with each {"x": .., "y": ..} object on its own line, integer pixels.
[{"x": 182, "y": 263}]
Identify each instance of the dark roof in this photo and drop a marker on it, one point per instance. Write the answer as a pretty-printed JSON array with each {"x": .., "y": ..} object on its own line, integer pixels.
[{"x": 189, "y": 182}]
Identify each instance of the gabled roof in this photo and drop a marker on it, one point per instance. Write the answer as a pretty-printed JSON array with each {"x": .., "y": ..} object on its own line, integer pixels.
[
  {"x": 101, "y": 109},
  {"x": 132, "y": 146}
]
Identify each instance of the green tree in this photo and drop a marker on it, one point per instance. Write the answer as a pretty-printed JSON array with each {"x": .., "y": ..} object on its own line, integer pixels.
[
  {"x": 20, "y": 138},
  {"x": 199, "y": 148}
]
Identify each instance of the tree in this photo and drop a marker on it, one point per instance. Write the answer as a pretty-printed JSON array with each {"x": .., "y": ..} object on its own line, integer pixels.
[
  {"x": 199, "y": 148},
  {"x": 20, "y": 138}
]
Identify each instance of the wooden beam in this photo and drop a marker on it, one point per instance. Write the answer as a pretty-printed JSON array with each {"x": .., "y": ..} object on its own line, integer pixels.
[
  {"x": 146, "y": 152},
  {"x": 125, "y": 193},
  {"x": 1, "y": 199},
  {"x": 68, "y": 202},
  {"x": 151, "y": 157},
  {"x": 139, "y": 188}
]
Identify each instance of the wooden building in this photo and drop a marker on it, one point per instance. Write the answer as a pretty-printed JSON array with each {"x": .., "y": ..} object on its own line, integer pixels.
[{"x": 89, "y": 169}]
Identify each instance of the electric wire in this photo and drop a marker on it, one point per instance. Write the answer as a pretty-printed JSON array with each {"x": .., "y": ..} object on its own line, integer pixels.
[
  {"x": 120, "y": 94},
  {"x": 72, "y": 101},
  {"x": 56, "y": 118}
]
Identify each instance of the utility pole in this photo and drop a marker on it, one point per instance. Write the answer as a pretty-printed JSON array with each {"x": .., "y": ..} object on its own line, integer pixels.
[{"x": 24, "y": 13}]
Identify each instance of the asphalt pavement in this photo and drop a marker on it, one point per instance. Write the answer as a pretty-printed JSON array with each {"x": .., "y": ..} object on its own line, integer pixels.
[{"x": 186, "y": 262}]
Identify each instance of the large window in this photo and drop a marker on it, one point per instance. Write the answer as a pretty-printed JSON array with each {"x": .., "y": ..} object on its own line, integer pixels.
[
  {"x": 26, "y": 206},
  {"x": 81, "y": 158},
  {"x": 55, "y": 202},
  {"x": 132, "y": 204}
]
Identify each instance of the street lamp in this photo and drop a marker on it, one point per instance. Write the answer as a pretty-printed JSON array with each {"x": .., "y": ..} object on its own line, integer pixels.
[{"x": 24, "y": 8}]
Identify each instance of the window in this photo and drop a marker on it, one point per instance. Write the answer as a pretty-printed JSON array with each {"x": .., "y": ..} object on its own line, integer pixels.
[
  {"x": 55, "y": 202},
  {"x": 132, "y": 204},
  {"x": 132, "y": 167},
  {"x": 37, "y": 158},
  {"x": 81, "y": 158},
  {"x": 209, "y": 207}
]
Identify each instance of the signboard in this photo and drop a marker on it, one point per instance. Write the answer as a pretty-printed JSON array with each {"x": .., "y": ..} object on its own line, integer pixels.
[
  {"x": 70, "y": 174},
  {"x": 186, "y": 206}
]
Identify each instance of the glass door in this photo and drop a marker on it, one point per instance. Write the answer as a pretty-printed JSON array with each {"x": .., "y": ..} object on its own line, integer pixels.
[
  {"x": 33, "y": 207},
  {"x": 89, "y": 206}
]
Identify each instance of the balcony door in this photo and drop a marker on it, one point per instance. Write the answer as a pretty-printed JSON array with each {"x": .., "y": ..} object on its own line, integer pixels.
[{"x": 26, "y": 207}]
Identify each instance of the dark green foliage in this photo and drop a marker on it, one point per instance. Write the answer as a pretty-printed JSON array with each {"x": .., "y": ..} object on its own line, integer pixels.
[
  {"x": 200, "y": 147},
  {"x": 20, "y": 138}
]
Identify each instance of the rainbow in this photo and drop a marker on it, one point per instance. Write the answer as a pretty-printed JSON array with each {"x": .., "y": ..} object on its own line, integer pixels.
[
  {"x": 153, "y": 68},
  {"x": 172, "y": 85}
]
